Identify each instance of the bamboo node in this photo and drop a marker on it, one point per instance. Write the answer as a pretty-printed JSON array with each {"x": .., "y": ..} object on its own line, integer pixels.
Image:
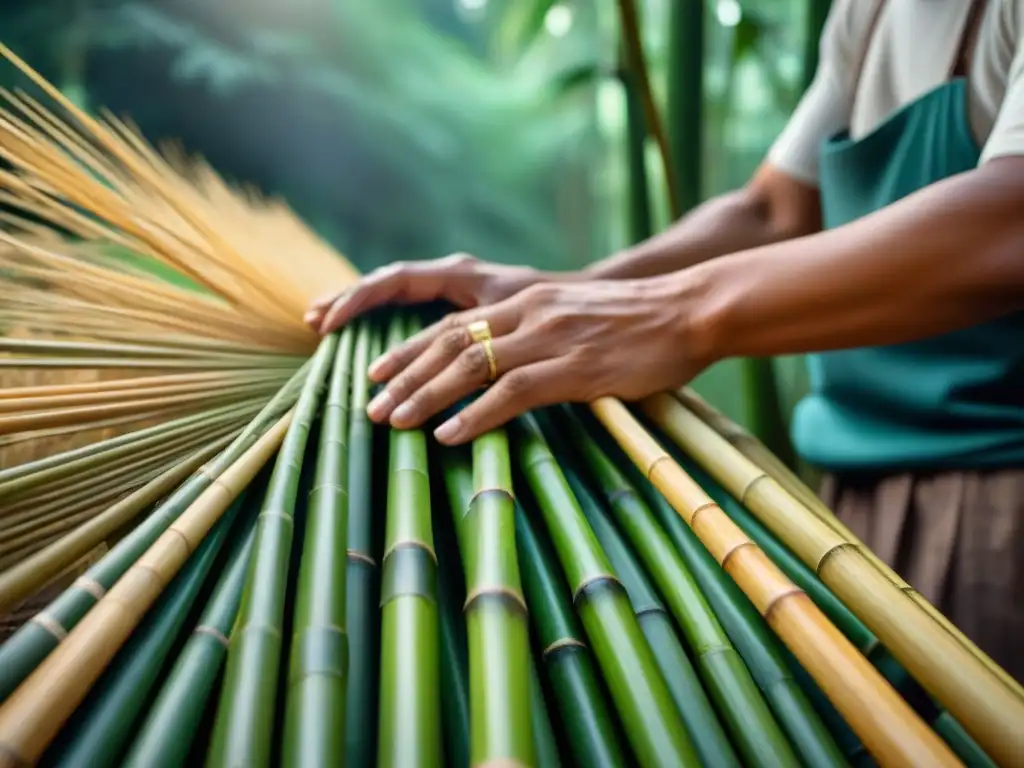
[
  {"x": 334, "y": 486},
  {"x": 277, "y": 513},
  {"x": 91, "y": 586},
  {"x": 747, "y": 488},
  {"x": 213, "y": 632},
  {"x": 733, "y": 550},
  {"x": 51, "y": 625},
  {"x": 561, "y": 644},
  {"x": 354, "y": 555},
  {"x": 835, "y": 550},
  {"x": 410, "y": 543},
  {"x": 697, "y": 510},
  {"x": 654, "y": 465},
  {"x": 486, "y": 491},
  {"x": 509, "y": 595},
  {"x": 794, "y": 591},
  {"x": 599, "y": 580}
]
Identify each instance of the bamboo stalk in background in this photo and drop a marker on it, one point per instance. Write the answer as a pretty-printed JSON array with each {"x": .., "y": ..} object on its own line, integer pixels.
[
  {"x": 35, "y": 712},
  {"x": 245, "y": 715},
  {"x": 409, "y": 730},
  {"x": 495, "y": 609},
  {"x": 166, "y": 736},
  {"x": 362, "y": 614},
  {"x": 886, "y": 725},
  {"x": 314, "y": 733},
  {"x": 591, "y": 729},
  {"x": 545, "y": 743},
  {"x": 989, "y": 709},
  {"x": 644, "y": 703}
]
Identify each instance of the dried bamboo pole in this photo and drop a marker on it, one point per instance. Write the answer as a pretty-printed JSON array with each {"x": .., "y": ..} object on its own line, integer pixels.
[
  {"x": 755, "y": 451},
  {"x": 886, "y": 725},
  {"x": 32, "y": 574},
  {"x": 35, "y": 712},
  {"x": 989, "y": 709},
  {"x": 136, "y": 383}
]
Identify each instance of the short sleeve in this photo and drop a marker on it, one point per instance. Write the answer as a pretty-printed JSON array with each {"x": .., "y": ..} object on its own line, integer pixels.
[
  {"x": 827, "y": 104},
  {"x": 1007, "y": 136}
]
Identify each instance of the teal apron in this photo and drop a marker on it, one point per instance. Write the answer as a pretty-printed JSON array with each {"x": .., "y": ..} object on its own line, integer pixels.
[{"x": 951, "y": 402}]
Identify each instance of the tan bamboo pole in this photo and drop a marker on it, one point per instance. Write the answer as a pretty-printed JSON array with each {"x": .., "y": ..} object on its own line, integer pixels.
[
  {"x": 990, "y": 710},
  {"x": 883, "y": 721},
  {"x": 133, "y": 383},
  {"x": 754, "y": 450},
  {"x": 33, "y": 715}
]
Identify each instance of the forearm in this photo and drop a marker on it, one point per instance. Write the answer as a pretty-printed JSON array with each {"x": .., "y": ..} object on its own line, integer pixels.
[
  {"x": 945, "y": 258},
  {"x": 769, "y": 209}
]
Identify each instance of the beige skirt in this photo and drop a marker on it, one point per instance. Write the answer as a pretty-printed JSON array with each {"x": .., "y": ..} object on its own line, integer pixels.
[{"x": 957, "y": 538}]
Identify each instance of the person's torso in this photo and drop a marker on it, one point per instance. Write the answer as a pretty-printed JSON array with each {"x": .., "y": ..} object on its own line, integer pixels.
[{"x": 952, "y": 401}]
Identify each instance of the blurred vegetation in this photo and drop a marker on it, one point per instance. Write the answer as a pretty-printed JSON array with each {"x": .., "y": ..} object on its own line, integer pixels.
[{"x": 413, "y": 128}]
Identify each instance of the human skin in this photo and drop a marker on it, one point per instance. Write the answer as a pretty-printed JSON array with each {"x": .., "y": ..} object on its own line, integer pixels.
[{"x": 748, "y": 274}]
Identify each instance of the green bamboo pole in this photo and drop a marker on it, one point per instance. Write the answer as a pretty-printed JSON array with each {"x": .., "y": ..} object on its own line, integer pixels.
[
  {"x": 103, "y": 725},
  {"x": 590, "y": 728},
  {"x": 409, "y": 732},
  {"x": 27, "y": 647},
  {"x": 496, "y": 619},
  {"x": 314, "y": 733},
  {"x": 545, "y": 743},
  {"x": 454, "y": 670},
  {"x": 245, "y": 714},
  {"x": 644, "y": 703},
  {"x": 640, "y": 224},
  {"x": 693, "y": 704},
  {"x": 362, "y": 616},
  {"x": 730, "y": 683},
  {"x": 166, "y": 737}
]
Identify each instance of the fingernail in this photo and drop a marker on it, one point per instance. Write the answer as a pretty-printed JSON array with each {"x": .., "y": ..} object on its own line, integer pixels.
[
  {"x": 449, "y": 430},
  {"x": 377, "y": 366},
  {"x": 380, "y": 405},
  {"x": 402, "y": 414},
  {"x": 309, "y": 317}
]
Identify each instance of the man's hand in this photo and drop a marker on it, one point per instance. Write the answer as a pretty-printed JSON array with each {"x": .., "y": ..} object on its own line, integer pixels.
[
  {"x": 552, "y": 343},
  {"x": 459, "y": 279}
]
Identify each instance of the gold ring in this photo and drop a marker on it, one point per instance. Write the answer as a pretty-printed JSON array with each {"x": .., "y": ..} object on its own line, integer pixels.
[
  {"x": 480, "y": 333},
  {"x": 479, "y": 330}
]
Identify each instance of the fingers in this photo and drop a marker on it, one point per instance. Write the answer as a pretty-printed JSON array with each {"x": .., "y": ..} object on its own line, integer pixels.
[
  {"x": 405, "y": 282},
  {"x": 503, "y": 318},
  {"x": 433, "y": 352},
  {"x": 465, "y": 375},
  {"x": 515, "y": 393}
]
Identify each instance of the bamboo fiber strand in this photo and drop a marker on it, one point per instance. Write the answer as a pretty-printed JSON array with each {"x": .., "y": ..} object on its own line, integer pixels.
[
  {"x": 35, "y": 712},
  {"x": 988, "y": 708},
  {"x": 890, "y": 730},
  {"x": 35, "y": 572}
]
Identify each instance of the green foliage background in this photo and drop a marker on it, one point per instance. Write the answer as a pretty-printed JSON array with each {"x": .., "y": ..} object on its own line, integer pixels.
[{"x": 407, "y": 129}]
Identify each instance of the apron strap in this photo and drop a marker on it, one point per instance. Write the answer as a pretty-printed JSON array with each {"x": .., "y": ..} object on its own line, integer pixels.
[
  {"x": 863, "y": 56},
  {"x": 968, "y": 40}
]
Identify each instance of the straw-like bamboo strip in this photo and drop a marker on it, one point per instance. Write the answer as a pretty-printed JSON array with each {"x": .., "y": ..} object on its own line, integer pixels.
[
  {"x": 883, "y": 721},
  {"x": 35, "y": 712},
  {"x": 988, "y": 708},
  {"x": 32, "y": 574}
]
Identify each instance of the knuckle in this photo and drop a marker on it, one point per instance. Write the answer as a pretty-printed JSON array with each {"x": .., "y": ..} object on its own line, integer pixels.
[
  {"x": 517, "y": 384},
  {"x": 473, "y": 361},
  {"x": 453, "y": 342},
  {"x": 458, "y": 260}
]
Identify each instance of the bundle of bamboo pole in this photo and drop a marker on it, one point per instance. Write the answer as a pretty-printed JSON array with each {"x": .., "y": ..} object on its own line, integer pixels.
[{"x": 208, "y": 553}]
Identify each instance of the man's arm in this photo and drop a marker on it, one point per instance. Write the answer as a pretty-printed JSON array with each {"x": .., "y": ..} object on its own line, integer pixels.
[
  {"x": 947, "y": 257},
  {"x": 774, "y": 206}
]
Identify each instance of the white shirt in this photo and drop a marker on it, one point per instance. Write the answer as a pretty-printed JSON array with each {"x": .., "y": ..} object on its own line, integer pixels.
[{"x": 911, "y": 52}]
